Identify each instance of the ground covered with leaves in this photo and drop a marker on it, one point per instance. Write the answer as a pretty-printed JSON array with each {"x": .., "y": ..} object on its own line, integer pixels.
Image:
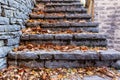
[
  {"x": 50, "y": 46},
  {"x": 38, "y": 30},
  {"x": 24, "y": 73}
]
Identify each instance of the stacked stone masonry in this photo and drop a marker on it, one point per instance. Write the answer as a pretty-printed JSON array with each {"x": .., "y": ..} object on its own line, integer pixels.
[
  {"x": 13, "y": 14},
  {"x": 74, "y": 59},
  {"x": 73, "y": 13},
  {"x": 107, "y": 13}
]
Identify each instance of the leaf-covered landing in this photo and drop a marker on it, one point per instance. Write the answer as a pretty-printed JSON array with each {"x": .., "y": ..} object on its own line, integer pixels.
[{"x": 25, "y": 73}]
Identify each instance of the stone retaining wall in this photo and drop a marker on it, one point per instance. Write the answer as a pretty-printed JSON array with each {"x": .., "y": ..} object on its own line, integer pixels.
[
  {"x": 13, "y": 14},
  {"x": 107, "y": 13}
]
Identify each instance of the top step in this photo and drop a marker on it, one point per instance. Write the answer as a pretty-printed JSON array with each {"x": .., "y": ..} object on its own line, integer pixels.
[{"x": 55, "y": 1}]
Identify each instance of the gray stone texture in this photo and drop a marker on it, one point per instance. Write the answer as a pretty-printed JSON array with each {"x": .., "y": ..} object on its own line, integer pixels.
[
  {"x": 94, "y": 78},
  {"x": 13, "y": 14},
  {"x": 3, "y": 63},
  {"x": 116, "y": 64},
  {"x": 107, "y": 14},
  {"x": 55, "y": 59}
]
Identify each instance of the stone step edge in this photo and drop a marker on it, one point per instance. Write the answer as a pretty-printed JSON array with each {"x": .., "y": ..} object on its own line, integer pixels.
[
  {"x": 64, "y": 4},
  {"x": 77, "y": 36},
  {"x": 63, "y": 24},
  {"x": 79, "y": 10},
  {"x": 42, "y": 16},
  {"x": 109, "y": 54},
  {"x": 65, "y": 1}
]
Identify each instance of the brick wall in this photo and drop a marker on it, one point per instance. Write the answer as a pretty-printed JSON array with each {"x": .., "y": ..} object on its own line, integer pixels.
[
  {"x": 107, "y": 13},
  {"x": 13, "y": 14}
]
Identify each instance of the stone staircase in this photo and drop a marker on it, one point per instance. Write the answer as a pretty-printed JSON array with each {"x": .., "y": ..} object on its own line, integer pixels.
[{"x": 69, "y": 36}]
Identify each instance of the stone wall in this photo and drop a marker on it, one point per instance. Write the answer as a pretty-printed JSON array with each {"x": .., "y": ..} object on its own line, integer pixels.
[
  {"x": 107, "y": 13},
  {"x": 13, "y": 14}
]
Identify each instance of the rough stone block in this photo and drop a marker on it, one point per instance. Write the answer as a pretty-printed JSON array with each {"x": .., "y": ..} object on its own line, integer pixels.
[
  {"x": 42, "y": 36},
  {"x": 90, "y": 36},
  {"x": 4, "y": 51},
  {"x": 110, "y": 55},
  {"x": 116, "y": 64},
  {"x": 33, "y": 16},
  {"x": 13, "y": 41},
  {"x": 3, "y": 63},
  {"x": 31, "y": 64},
  {"x": 25, "y": 37},
  {"x": 11, "y": 28},
  {"x": 1, "y": 43},
  {"x": 3, "y": 1},
  {"x": 0, "y": 9},
  {"x": 46, "y": 56},
  {"x": 8, "y": 13},
  {"x": 103, "y": 63},
  {"x": 78, "y": 55},
  {"x": 16, "y": 21},
  {"x": 13, "y": 3},
  {"x": 61, "y": 64},
  {"x": 64, "y": 36},
  {"x": 22, "y": 55},
  {"x": 86, "y": 24},
  {"x": 4, "y": 20},
  {"x": 94, "y": 78}
]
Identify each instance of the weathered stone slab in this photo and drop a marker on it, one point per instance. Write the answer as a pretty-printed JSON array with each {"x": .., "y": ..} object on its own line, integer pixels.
[
  {"x": 3, "y": 63},
  {"x": 1, "y": 43},
  {"x": 116, "y": 64},
  {"x": 86, "y": 24},
  {"x": 63, "y": 4},
  {"x": 8, "y": 13},
  {"x": 78, "y": 16},
  {"x": 64, "y": 36},
  {"x": 74, "y": 55},
  {"x": 61, "y": 64},
  {"x": 78, "y": 55},
  {"x": 103, "y": 63},
  {"x": 8, "y": 35},
  {"x": 4, "y": 51},
  {"x": 4, "y": 20},
  {"x": 25, "y": 37},
  {"x": 77, "y": 10},
  {"x": 110, "y": 55},
  {"x": 64, "y": 10},
  {"x": 13, "y": 41},
  {"x": 42, "y": 36},
  {"x": 94, "y": 78},
  {"x": 65, "y": 1},
  {"x": 9, "y": 28},
  {"x": 23, "y": 55},
  {"x": 31, "y": 64},
  {"x": 33, "y": 24},
  {"x": 90, "y": 36},
  {"x": 34, "y": 16},
  {"x": 3, "y": 1}
]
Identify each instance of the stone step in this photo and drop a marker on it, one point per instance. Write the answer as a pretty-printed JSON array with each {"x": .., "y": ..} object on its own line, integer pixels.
[
  {"x": 62, "y": 24},
  {"x": 87, "y": 26},
  {"x": 58, "y": 59},
  {"x": 63, "y": 4},
  {"x": 68, "y": 10},
  {"x": 87, "y": 39},
  {"x": 75, "y": 29},
  {"x": 56, "y": 1},
  {"x": 60, "y": 16},
  {"x": 62, "y": 9}
]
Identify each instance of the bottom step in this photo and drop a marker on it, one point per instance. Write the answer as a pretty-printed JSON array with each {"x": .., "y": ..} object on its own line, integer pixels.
[{"x": 57, "y": 59}]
